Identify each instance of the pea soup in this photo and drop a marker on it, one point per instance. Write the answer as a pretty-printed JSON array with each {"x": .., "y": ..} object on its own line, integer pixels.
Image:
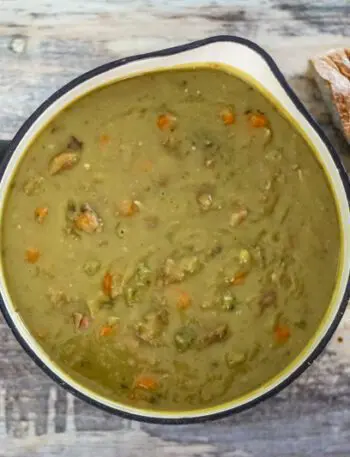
[{"x": 171, "y": 240}]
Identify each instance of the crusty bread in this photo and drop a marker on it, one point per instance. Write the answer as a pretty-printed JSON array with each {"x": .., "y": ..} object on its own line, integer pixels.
[{"x": 332, "y": 75}]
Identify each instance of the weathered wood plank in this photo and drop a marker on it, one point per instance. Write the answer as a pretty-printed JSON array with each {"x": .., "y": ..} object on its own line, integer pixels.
[{"x": 43, "y": 44}]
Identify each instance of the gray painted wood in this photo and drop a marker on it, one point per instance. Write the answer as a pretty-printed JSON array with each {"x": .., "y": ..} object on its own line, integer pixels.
[{"x": 43, "y": 44}]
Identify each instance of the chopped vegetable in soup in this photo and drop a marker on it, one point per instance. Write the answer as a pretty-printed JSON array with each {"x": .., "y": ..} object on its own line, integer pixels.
[{"x": 171, "y": 240}]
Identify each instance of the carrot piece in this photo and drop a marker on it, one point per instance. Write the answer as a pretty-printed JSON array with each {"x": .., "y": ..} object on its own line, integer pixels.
[
  {"x": 227, "y": 116},
  {"x": 106, "y": 330},
  {"x": 281, "y": 333},
  {"x": 107, "y": 284},
  {"x": 166, "y": 121},
  {"x": 128, "y": 208},
  {"x": 238, "y": 279},
  {"x": 146, "y": 382},
  {"x": 104, "y": 139},
  {"x": 184, "y": 301},
  {"x": 258, "y": 120},
  {"x": 40, "y": 213},
  {"x": 32, "y": 255}
]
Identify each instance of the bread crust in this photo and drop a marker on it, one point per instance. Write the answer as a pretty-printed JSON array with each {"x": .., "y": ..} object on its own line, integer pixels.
[{"x": 333, "y": 71}]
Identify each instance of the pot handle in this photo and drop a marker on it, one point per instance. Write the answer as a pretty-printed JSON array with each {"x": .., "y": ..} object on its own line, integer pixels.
[{"x": 3, "y": 146}]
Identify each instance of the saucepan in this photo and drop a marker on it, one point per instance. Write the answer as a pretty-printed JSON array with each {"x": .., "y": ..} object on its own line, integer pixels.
[{"x": 253, "y": 61}]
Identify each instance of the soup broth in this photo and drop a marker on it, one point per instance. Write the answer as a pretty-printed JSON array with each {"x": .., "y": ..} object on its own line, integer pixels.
[{"x": 170, "y": 240}]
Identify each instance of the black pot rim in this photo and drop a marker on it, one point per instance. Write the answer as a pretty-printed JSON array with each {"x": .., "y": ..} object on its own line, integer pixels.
[{"x": 336, "y": 159}]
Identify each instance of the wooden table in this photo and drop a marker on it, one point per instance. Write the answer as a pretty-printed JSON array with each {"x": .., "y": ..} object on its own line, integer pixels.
[{"x": 43, "y": 44}]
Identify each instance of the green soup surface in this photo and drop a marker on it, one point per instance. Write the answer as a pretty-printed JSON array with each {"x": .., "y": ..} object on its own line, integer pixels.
[{"x": 170, "y": 240}]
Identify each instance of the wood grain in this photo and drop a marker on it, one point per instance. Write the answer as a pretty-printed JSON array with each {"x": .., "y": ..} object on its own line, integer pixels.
[{"x": 43, "y": 44}]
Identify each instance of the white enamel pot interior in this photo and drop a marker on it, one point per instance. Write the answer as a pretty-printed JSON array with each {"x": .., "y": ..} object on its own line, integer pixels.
[{"x": 256, "y": 65}]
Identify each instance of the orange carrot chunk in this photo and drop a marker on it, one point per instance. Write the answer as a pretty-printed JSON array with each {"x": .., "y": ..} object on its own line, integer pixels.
[
  {"x": 32, "y": 255},
  {"x": 258, "y": 120},
  {"x": 104, "y": 139},
  {"x": 146, "y": 382},
  {"x": 184, "y": 301},
  {"x": 128, "y": 208},
  {"x": 40, "y": 213},
  {"x": 281, "y": 333},
  {"x": 106, "y": 330},
  {"x": 107, "y": 284},
  {"x": 238, "y": 279},
  {"x": 166, "y": 121},
  {"x": 227, "y": 116}
]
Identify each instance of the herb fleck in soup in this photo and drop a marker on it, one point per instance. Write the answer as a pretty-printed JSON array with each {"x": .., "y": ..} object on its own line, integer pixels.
[{"x": 171, "y": 240}]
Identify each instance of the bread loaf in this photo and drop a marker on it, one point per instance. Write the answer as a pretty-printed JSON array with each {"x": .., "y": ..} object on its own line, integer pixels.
[{"x": 331, "y": 72}]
